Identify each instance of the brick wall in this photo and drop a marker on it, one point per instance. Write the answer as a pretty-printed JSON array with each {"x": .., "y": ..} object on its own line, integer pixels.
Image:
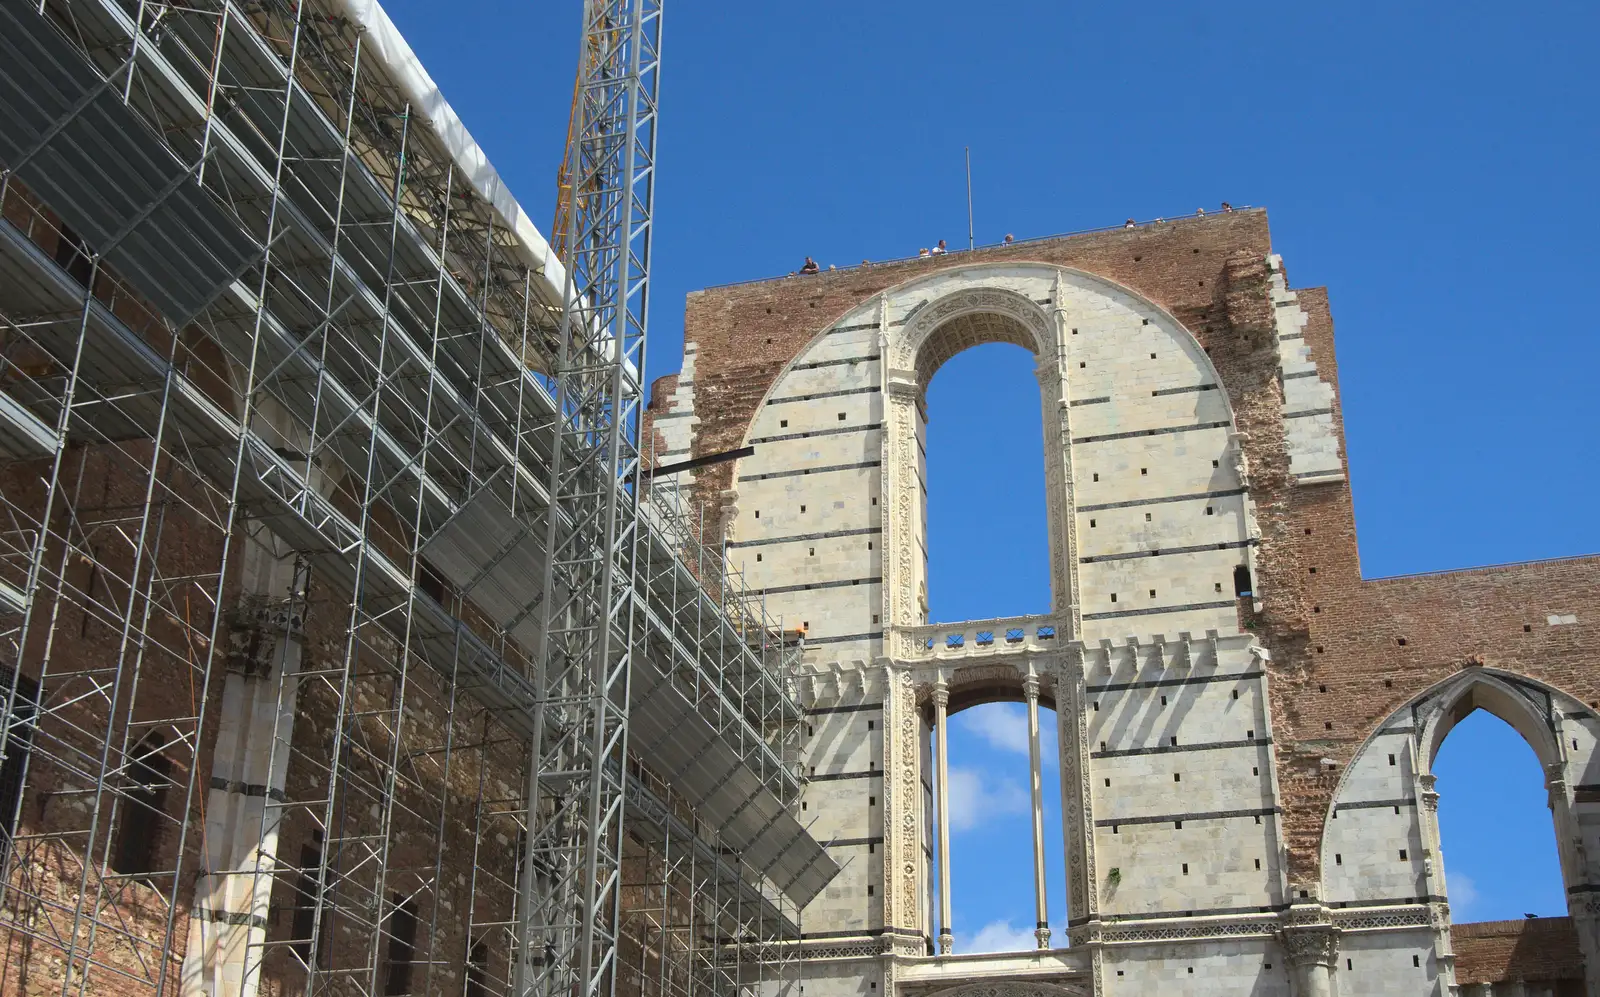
[
  {"x": 1338, "y": 665},
  {"x": 1533, "y": 949}
]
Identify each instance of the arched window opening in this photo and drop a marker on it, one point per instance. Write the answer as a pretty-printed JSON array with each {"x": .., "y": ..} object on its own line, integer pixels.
[
  {"x": 1495, "y": 827},
  {"x": 144, "y": 804},
  {"x": 988, "y": 544},
  {"x": 991, "y": 829}
]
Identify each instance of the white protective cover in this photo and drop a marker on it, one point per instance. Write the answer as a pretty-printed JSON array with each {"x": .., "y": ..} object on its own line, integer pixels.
[{"x": 381, "y": 39}]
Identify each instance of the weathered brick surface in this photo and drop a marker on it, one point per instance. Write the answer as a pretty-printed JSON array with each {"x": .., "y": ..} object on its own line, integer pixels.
[
  {"x": 1542, "y": 949},
  {"x": 1325, "y": 626}
]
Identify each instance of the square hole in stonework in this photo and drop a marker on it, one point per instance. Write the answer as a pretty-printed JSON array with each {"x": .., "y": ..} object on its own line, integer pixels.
[
  {"x": 1186, "y": 868},
  {"x": 1210, "y": 511},
  {"x": 1387, "y": 683},
  {"x": 1147, "y": 517},
  {"x": 1322, "y": 688},
  {"x": 1258, "y": 863},
  {"x": 874, "y": 618},
  {"x": 802, "y": 508},
  {"x": 1074, "y": 332},
  {"x": 1102, "y": 745},
  {"x": 1216, "y": 464},
  {"x": 783, "y": 423},
  {"x": 1163, "y": 701},
  {"x": 1391, "y": 759},
  {"x": 869, "y": 891},
  {"x": 758, "y": 513},
  {"x": 841, "y": 416},
  {"x": 1152, "y": 593},
  {"x": 1219, "y": 586},
  {"x": 870, "y": 725},
  {"x": 1416, "y": 962},
  {"x": 1082, "y": 364},
  {"x": 1108, "y": 783},
  {"x": 1191, "y": 970},
  {"x": 1314, "y": 571},
  {"x": 1144, "y": 470},
  {"x": 812, "y": 552},
  {"x": 1152, "y": 356},
  {"x": 758, "y": 558},
  {"x": 1338, "y": 859},
  {"x": 1249, "y": 735},
  {"x": 872, "y": 801},
  {"x": 1091, "y": 524},
  {"x": 1144, "y": 321},
  {"x": 1174, "y": 740},
  {"x": 1327, "y": 725},
  {"x": 869, "y": 544},
  {"x": 1255, "y": 770},
  {"x": 1097, "y": 476},
  {"x": 874, "y": 500},
  {"x": 1177, "y": 777},
  {"x": 1527, "y": 629},
  {"x": 1113, "y": 597}
]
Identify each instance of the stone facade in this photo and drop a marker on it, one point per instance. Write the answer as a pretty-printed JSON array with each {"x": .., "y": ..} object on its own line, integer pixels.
[{"x": 1209, "y": 623}]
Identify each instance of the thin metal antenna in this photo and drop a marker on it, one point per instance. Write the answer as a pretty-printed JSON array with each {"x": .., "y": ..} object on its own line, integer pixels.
[{"x": 969, "y": 197}]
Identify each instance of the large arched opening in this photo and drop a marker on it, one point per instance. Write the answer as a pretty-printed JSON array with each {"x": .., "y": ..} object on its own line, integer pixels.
[
  {"x": 1473, "y": 799},
  {"x": 990, "y": 825},
  {"x": 1506, "y": 867},
  {"x": 988, "y": 539}
]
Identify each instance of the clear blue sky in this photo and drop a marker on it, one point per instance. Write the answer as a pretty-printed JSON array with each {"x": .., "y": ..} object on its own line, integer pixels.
[{"x": 1433, "y": 164}]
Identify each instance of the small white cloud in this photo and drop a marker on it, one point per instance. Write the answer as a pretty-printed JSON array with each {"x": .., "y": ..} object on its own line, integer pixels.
[
  {"x": 976, "y": 797},
  {"x": 998, "y": 936},
  {"x": 1005, "y": 726},
  {"x": 1463, "y": 894}
]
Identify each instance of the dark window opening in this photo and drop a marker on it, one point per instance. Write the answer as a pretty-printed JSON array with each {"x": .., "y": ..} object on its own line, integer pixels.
[
  {"x": 402, "y": 946},
  {"x": 139, "y": 830},
  {"x": 430, "y": 581},
  {"x": 478, "y": 969},
  {"x": 19, "y": 739},
  {"x": 1241, "y": 582},
  {"x": 73, "y": 256},
  {"x": 312, "y": 877}
]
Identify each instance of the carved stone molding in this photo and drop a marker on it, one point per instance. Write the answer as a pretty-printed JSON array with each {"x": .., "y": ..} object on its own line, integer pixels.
[{"x": 1310, "y": 944}]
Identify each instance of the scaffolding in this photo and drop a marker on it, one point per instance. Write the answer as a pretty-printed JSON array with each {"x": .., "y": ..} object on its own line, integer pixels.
[{"x": 343, "y": 651}]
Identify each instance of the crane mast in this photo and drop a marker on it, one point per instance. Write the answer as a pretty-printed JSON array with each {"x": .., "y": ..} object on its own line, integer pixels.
[{"x": 589, "y": 632}]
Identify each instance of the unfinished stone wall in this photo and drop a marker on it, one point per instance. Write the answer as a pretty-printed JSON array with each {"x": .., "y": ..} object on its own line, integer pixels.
[{"x": 1225, "y": 449}]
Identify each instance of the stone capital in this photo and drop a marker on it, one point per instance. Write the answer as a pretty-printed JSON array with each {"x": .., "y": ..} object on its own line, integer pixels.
[
  {"x": 1310, "y": 944},
  {"x": 1030, "y": 686}
]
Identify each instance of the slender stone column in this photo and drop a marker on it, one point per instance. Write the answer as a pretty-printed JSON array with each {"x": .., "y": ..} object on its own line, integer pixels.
[
  {"x": 1041, "y": 908},
  {"x": 941, "y": 803}
]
